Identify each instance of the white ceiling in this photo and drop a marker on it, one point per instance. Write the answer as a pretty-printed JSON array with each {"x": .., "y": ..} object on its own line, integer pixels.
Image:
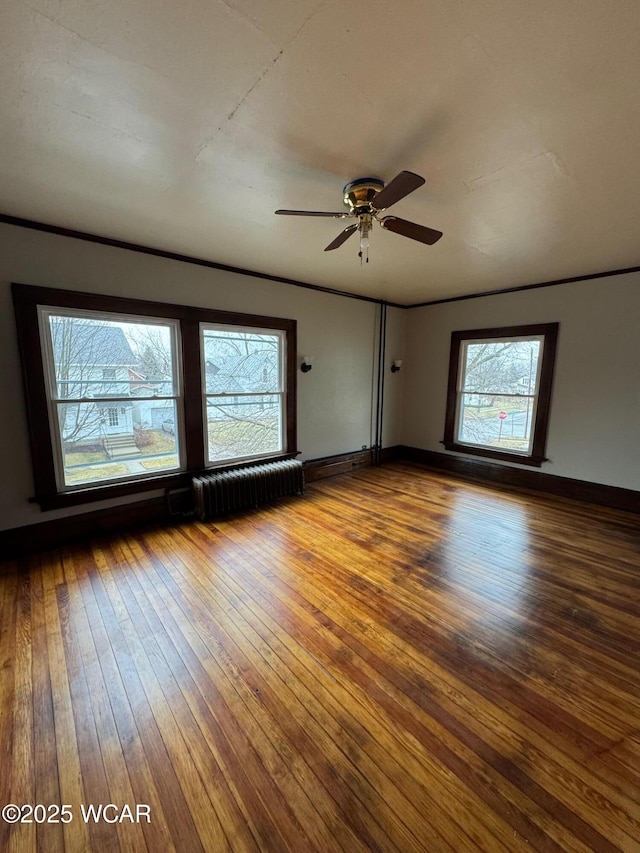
[{"x": 183, "y": 124}]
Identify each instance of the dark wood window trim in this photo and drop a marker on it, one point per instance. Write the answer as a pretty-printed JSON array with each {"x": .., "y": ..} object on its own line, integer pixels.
[
  {"x": 540, "y": 428},
  {"x": 27, "y": 299}
]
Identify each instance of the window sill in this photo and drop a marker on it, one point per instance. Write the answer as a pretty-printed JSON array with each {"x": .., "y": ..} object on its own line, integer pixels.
[
  {"x": 178, "y": 480},
  {"x": 504, "y": 456},
  {"x": 77, "y": 497}
]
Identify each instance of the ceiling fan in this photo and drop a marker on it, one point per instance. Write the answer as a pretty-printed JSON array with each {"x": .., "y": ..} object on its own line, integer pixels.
[{"x": 366, "y": 198}]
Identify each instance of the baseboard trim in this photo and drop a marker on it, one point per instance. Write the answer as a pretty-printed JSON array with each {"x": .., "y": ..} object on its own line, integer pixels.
[
  {"x": 491, "y": 472},
  {"x": 341, "y": 463},
  {"x": 391, "y": 454},
  {"x": 18, "y": 541}
]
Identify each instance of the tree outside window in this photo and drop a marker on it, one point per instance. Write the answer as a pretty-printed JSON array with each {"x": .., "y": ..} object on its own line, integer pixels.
[
  {"x": 243, "y": 379},
  {"x": 126, "y": 395},
  {"x": 94, "y": 358},
  {"x": 499, "y": 392}
]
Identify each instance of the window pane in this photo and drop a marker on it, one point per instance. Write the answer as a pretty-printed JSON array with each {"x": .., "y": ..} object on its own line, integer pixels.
[
  {"x": 507, "y": 367},
  {"x": 501, "y": 422},
  {"x": 246, "y": 426},
  {"x": 124, "y": 440},
  {"x": 241, "y": 361},
  {"x": 108, "y": 358}
]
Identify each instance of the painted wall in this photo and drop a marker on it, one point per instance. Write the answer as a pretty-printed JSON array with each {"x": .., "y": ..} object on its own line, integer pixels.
[
  {"x": 392, "y": 406},
  {"x": 334, "y": 399},
  {"x": 594, "y": 428}
]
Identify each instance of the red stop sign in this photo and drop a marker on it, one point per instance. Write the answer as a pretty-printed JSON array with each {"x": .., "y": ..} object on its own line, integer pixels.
[{"x": 502, "y": 415}]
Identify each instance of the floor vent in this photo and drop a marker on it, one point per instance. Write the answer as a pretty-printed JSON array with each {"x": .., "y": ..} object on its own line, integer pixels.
[{"x": 241, "y": 488}]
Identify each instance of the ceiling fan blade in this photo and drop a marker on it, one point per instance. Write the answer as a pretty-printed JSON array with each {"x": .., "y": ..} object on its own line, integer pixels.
[
  {"x": 400, "y": 186},
  {"x": 411, "y": 229},
  {"x": 312, "y": 213},
  {"x": 342, "y": 236}
]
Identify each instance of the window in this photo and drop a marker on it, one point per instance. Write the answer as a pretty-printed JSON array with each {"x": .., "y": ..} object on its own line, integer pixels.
[
  {"x": 499, "y": 392},
  {"x": 96, "y": 443},
  {"x": 126, "y": 395},
  {"x": 245, "y": 398}
]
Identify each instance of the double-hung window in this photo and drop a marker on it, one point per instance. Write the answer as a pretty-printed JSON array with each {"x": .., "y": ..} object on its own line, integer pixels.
[
  {"x": 243, "y": 381},
  {"x": 125, "y": 395},
  {"x": 106, "y": 376},
  {"x": 499, "y": 392}
]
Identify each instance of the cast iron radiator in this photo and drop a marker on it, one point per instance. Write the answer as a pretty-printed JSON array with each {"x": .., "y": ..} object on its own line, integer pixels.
[{"x": 226, "y": 491}]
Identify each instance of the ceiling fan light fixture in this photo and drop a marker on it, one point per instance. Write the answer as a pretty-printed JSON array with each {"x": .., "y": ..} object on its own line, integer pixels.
[
  {"x": 366, "y": 198},
  {"x": 365, "y": 227}
]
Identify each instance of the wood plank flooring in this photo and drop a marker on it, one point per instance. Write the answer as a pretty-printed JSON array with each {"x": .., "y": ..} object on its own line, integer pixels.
[{"x": 398, "y": 661}]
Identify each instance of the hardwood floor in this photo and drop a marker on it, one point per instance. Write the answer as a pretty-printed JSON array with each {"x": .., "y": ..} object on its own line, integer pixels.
[{"x": 398, "y": 661}]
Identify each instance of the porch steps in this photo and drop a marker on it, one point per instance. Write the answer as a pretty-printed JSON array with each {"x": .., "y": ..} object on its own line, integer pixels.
[{"x": 118, "y": 446}]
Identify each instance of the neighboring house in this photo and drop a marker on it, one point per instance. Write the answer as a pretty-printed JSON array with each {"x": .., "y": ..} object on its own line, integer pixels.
[
  {"x": 109, "y": 396},
  {"x": 91, "y": 361},
  {"x": 147, "y": 412},
  {"x": 244, "y": 374},
  {"x": 94, "y": 362}
]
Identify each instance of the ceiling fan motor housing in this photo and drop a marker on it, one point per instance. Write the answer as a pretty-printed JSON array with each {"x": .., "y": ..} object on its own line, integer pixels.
[{"x": 359, "y": 194}]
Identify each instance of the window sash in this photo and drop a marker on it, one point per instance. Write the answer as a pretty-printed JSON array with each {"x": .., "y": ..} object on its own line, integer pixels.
[
  {"x": 115, "y": 399},
  {"x": 517, "y": 339},
  {"x": 47, "y": 311},
  {"x": 246, "y": 457},
  {"x": 462, "y": 391},
  {"x": 54, "y": 401},
  {"x": 546, "y": 334},
  {"x": 106, "y": 382},
  {"x": 280, "y": 391},
  {"x": 474, "y": 392},
  {"x": 278, "y": 334},
  {"x": 230, "y": 394},
  {"x": 526, "y": 452},
  {"x": 62, "y": 469}
]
